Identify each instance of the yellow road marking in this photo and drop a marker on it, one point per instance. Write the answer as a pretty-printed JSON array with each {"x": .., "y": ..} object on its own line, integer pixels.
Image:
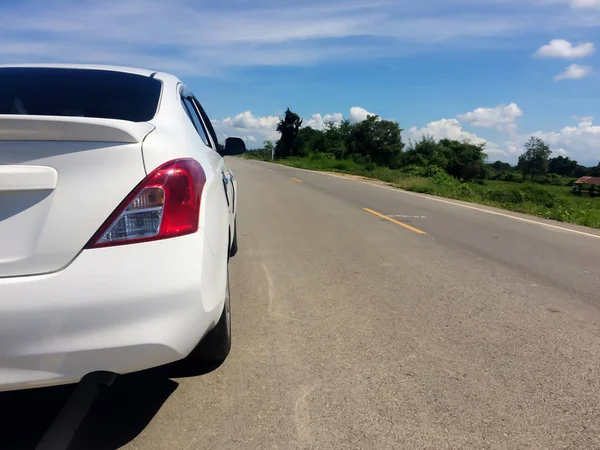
[
  {"x": 296, "y": 179},
  {"x": 416, "y": 230}
]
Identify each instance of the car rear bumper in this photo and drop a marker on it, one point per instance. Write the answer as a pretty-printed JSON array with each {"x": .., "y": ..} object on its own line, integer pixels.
[{"x": 119, "y": 309}]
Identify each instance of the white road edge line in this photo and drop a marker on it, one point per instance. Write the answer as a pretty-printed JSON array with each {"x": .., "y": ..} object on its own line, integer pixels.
[
  {"x": 496, "y": 213},
  {"x": 428, "y": 197}
]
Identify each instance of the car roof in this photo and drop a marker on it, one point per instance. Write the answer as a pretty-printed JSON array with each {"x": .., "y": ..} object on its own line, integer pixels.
[{"x": 124, "y": 69}]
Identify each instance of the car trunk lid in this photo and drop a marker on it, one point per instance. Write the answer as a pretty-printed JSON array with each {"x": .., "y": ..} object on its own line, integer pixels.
[{"x": 60, "y": 178}]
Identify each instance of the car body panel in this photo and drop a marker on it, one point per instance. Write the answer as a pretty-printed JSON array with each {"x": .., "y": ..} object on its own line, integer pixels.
[
  {"x": 158, "y": 146},
  {"x": 120, "y": 309},
  {"x": 43, "y": 230}
]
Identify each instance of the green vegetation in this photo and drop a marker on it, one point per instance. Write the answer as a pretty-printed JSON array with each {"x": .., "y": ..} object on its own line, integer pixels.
[
  {"x": 536, "y": 159},
  {"x": 538, "y": 185}
]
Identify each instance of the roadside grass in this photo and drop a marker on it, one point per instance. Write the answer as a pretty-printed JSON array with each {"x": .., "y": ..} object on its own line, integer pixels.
[{"x": 547, "y": 201}]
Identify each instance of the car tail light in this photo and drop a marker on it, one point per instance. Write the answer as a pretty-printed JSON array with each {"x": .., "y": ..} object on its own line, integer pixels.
[{"x": 165, "y": 204}]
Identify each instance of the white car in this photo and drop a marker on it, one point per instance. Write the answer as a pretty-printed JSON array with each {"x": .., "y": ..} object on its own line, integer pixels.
[{"x": 117, "y": 221}]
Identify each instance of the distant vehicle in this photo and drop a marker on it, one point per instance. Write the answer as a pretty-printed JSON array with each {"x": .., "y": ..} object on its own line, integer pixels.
[{"x": 117, "y": 221}]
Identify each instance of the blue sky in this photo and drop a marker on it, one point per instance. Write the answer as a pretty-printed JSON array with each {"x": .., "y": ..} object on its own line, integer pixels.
[{"x": 494, "y": 70}]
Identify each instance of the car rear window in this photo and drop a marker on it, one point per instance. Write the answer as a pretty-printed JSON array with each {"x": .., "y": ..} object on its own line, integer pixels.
[{"x": 78, "y": 92}]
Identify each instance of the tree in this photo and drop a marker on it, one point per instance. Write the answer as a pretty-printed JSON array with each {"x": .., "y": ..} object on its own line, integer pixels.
[
  {"x": 306, "y": 141},
  {"x": 288, "y": 127},
  {"x": 462, "y": 160},
  {"x": 466, "y": 161},
  {"x": 535, "y": 160},
  {"x": 582, "y": 171},
  {"x": 377, "y": 141},
  {"x": 269, "y": 147},
  {"x": 562, "y": 165},
  {"x": 425, "y": 152},
  {"x": 499, "y": 170},
  {"x": 501, "y": 166},
  {"x": 336, "y": 138}
]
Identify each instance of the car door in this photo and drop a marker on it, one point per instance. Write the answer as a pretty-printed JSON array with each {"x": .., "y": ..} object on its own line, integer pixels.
[{"x": 229, "y": 180}]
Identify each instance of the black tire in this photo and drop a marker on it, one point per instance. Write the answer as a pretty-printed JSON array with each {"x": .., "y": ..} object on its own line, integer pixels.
[
  {"x": 234, "y": 245},
  {"x": 217, "y": 343}
]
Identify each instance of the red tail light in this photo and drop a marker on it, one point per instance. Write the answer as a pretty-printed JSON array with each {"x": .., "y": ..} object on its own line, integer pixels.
[{"x": 165, "y": 204}]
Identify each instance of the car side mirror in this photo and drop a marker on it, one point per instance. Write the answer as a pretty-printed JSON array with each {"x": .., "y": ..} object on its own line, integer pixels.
[{"x": 233, "y": 146}]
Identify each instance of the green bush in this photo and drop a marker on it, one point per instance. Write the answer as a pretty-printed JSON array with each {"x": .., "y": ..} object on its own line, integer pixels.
[
  {"x": 540, "y": 196},
  {"x": 550, "y": 178},
  {"x": 423, "y": 189},
  {"x": 383, "y": 173},
  {"x": 440, "y": 176},
  {"x": 511, "y": 176},
  {"x": 414, "y": 170},
  {"x": 344, "y": 165},
  {"x": 513, "y": 195},
  {"x": 315, "y": 156}
]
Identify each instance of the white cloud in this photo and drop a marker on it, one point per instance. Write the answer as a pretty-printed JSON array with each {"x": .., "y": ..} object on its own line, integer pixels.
[
  {"x": 560, "y": 48},
  {"x": 358, "y": 114},
  {"x": 318, "y": 122},
  {"x": 585, "y": 130},
  {"x": 254, "y": 130},
  {"x": 501, "y": 117},
  {"x": 451, "y": 129},
  {"x": 583, "y": 118},
  {"x": 512, "y": 147},
  {"x": 247, "y": 120},
  {"x": 444, "y": 129},
  {"x": 585, "y": 3},
  {"x": 574, "y": 72},
  {"x": 580, "y": 142}
]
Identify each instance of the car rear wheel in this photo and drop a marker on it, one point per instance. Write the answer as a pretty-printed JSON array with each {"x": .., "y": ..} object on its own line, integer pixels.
[{"x": 217, "y": 343}]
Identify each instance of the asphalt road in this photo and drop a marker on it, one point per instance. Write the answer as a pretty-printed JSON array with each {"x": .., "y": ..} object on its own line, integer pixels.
[{"x": 367, "y": 317}]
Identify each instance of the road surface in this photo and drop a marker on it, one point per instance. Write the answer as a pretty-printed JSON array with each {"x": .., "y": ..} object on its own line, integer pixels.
[{"x": 367, "y": 317}]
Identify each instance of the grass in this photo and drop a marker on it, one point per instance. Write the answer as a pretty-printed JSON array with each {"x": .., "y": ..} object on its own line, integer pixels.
[
  {"x": 550, "y": 202},
  {"x": 547, "y": 201}
]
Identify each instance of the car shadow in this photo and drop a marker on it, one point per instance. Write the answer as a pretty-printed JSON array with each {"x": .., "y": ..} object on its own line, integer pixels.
[
  {"x": 28, "y": 413},
  {"x": 118, "y": 414}
]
